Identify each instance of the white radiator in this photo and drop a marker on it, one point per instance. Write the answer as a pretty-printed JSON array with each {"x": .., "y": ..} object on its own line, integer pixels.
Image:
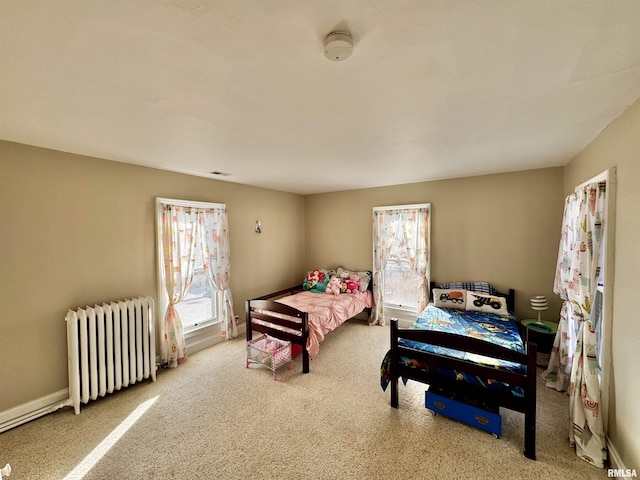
[{"x": 110, "y": 346}]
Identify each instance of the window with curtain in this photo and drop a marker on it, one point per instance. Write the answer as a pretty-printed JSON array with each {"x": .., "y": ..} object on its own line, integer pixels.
[
  {"x": 200, "y": 306},
  {"x": 401, "y": 260},
  {"x": 575, "y": 364},
  {"x": 194, "y": 270}
]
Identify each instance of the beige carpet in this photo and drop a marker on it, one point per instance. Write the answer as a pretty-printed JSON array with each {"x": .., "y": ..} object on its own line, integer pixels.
[{"x": 214, "y": 419}]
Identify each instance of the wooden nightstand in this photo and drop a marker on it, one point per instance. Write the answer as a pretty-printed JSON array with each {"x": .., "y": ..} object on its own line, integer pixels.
[{"x": 542, "y": 334}]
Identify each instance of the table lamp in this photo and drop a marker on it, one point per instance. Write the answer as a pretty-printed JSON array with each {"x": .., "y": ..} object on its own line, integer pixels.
[{"x": 539, "y": 304}]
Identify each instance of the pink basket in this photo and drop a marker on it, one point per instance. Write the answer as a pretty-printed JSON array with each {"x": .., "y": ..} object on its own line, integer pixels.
[{"x": 269, "y": 352}]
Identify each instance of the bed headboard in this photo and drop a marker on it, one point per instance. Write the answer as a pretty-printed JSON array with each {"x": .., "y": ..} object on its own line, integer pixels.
[{"x": 510, "y": 296}]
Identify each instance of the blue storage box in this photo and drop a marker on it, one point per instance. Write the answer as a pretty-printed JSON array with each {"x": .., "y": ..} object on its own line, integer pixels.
[{"x": 470, "y": 414}]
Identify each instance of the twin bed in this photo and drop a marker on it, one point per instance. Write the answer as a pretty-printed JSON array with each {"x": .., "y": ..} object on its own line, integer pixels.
[
  {"x": 466, "y": 345},
  {"x": 304, "y": 315},
  {"x": 475, "y": 357}
]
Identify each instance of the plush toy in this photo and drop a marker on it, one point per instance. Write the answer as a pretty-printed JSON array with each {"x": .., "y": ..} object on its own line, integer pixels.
[
  {"x": 353, "y": 284},
  {"x": 315, "y": 281},
  {"x": 334, "y": 286}
]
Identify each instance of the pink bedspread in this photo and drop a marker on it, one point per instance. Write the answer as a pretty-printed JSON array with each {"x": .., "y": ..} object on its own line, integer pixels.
[{"x": 327, "y": 312}]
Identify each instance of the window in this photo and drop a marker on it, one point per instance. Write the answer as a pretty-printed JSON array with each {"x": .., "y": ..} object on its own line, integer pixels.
[
  {"x": 195, "y": 302},
  {"x": 401, "y": 282},
  {"x": 401, "y": 254},
  {"x": 199, "y": 307}
]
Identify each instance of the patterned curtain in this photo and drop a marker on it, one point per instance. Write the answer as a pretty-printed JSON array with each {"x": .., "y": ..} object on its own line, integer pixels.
[
  {"x": 382, "y": 242},
  {"x": 558, "y": 373},
  {"x": 179, "y": 234},
  {"x": 217, "y": 262},
  {"x": 392, "y": 227},
  {"x": 416, "y": 225},
  {"x": 573, "y": 365}
]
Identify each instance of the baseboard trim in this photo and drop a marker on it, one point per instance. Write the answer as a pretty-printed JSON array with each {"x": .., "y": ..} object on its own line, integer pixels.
[
  {"x": 31, "y": 410},
  {"x": 614, "y": 458},
  {"x": 242, "y": 329},
  {"x": 405, "y": 318},
  {"x": 195, "y": 343},
  {"x": 405, "y": 323},
  {"x": 195, "y": 346}
]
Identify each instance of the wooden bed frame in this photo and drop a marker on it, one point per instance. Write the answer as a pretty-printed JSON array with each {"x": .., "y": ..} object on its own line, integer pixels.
[
  {"x": 267, "y": 303},
  {"x": 526, "y": 380}
]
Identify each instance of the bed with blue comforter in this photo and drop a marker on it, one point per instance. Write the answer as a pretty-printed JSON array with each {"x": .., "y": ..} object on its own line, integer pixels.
[{"x": 474, "y": 355}]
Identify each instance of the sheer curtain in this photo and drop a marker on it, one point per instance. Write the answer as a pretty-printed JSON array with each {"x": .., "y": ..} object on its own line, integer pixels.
[
  {"x": 573, "y": 366},
  {"x": 383, "y": 233},
  {"x": 179, "y": 235},
  {"x": 403, "y": 225},
  {"x": 217, "y": 253},
  {"x": 419, "y": 252}
]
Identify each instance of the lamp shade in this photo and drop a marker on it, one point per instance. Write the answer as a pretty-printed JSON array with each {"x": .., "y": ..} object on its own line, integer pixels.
[{"x": 539, "y": 303}]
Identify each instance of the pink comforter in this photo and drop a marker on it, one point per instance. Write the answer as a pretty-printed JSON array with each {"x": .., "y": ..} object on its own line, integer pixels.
[{"x": 327, "y": 312}]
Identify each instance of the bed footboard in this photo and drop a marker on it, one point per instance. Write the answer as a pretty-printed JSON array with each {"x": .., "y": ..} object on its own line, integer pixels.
[
  {"x": 526, "y": 381},
  {"x": 280, "y": 321}
]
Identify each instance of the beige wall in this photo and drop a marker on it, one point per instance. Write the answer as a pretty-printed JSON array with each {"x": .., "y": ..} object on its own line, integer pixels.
[
  {"x": 619, "y": 146},
  {"x": 502, "y": 228},
  {"x": 78, "y": 230}
]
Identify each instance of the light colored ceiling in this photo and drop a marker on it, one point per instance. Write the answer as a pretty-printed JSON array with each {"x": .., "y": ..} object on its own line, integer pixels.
[{"x": 434, "y": 89}]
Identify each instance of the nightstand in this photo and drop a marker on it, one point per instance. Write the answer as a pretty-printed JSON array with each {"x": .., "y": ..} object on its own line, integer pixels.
[{"x": 542, "y": 334}]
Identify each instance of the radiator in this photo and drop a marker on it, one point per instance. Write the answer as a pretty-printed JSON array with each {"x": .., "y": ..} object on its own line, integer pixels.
[{"x": 110, "y": 347}]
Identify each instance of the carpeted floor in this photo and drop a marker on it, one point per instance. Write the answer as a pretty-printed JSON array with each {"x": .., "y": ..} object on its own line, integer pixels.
[{"x": 212, "y": 418}]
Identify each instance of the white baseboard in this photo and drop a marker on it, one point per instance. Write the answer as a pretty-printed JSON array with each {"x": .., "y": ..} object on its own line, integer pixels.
[
  {"x": 31, "y": 410},
  {"x": 614, "y": 458},
  {"x": 405, "y": 322},
  {"x": 242, "y": 329},
  {"x": 405, "y": 318},
  {"x": 195, "y": 344}
]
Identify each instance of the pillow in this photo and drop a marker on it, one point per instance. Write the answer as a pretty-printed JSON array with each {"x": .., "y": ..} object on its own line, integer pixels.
[
  {"x": 480, "y": 287},
  {"x": 316, "y": 281},
  {"x": 479, "y": 302},
  {"x": 365, "y": 280},
  {"x": 365, "y": 277},
  {"x": 450, "y": 298}
]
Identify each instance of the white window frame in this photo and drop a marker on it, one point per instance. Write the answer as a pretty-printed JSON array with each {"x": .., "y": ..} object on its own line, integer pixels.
[{"x": 204, "y": 333}]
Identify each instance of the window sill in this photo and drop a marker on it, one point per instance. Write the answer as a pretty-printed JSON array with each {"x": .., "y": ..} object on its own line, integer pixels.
[
  {"x": 402, "y": 308},
  {"x": 197, "y": 329}
]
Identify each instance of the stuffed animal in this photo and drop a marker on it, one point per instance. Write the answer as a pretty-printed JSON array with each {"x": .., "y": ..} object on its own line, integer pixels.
[
  {"x": 334, "y": 286},
  {"x": 316, "y": 281},
  {"x": 344, "y": 276},
  {"x": 353, "y": 284}
]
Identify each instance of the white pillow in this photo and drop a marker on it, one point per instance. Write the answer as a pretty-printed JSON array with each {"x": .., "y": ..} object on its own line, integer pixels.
[
  {"x": 450, "y": 298},
  {"x": 480, "y": 302}
]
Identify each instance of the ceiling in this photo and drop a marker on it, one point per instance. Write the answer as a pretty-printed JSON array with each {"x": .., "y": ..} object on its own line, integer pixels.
[{"x": 433, "y": 89}]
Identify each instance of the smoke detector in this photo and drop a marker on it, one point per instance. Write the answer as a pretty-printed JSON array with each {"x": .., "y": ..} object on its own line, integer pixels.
[{"x": 338, "y": 46}]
